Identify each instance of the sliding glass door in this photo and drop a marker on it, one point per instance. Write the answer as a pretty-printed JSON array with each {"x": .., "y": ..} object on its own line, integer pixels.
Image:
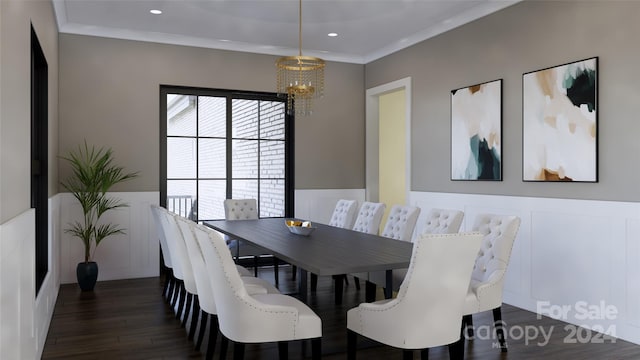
[{"x": 224, "y": 144}]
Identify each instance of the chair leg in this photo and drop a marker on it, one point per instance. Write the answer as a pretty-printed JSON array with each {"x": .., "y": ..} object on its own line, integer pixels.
[
  {"x": 171, "y": 289},
  {"x": 370, "y": 291},
  {"x": 456, "y": 349},
  {"x": 224, "y": 344},
  {"x": 187, "y": 308},
  {"x": 213, "y": 336},
  {"x": 176, "y": 292},
  {"x": 338, "y": 280},
  {"x": 276, "y": 271},
  {"x": 203, "y": 325},
  {"x": 316, "y": 348},
  {"x": 352, "y": 339},
  {"x": 467, "y": 323},
  {"x": 183, "y": 295},
  {"x": 195, "y": 314},
  {"x": 407, "y": 354},
  {"x": 167, "y": 280},
  {"x": 424, "y": 354},
  {"x": 499, "y": 326},
  {"x": 314, "y": 282},
  {"x": 357, "y": 281},
  {"x": 283, "y": 350},
  {"x": 238, "y": 351},
  {"x": 255, "y": 266},
  {"x": 294, "y": 272}
]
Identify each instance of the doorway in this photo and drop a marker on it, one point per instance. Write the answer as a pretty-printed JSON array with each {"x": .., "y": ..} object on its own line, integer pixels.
[
  {"x": 39, "y": 156},
  {"x": 394, "y": 140}
]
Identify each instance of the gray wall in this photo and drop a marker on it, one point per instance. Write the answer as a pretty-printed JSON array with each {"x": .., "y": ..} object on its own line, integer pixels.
[
  {"x": 109, "y": 95},
  {"x": 16, "y": 18},
  {"x": 525, "y": 37}
]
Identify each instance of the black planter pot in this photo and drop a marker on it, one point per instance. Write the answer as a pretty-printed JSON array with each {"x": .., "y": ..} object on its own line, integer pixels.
[{"x": 87, "y": 273}]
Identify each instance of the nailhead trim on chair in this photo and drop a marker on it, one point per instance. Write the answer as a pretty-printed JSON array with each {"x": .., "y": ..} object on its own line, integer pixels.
[{"x": 244, "y": 299}]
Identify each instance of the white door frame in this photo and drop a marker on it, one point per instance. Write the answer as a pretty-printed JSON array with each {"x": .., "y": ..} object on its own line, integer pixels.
[{"x": 372, "y": 116}]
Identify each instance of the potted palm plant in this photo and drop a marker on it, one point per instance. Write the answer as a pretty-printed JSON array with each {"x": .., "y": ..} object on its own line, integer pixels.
[{"x": 94, "y": 173}]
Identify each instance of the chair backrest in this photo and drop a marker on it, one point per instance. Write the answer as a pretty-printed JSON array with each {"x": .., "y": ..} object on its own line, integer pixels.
[
  {"x": 401, "y": 222},
  {"x": 242, "y": 318},
  {"x": 240, "y": 209},
  {"x": 493, "y": 257},
  {"x": 188, "y": 229},
  {"x": 166, "y": 253},
  {"x": 369, "y": 217},
  {"x": 344, "y": 214},
  {"x": 443, "y": 221},
  {"x": 174, "y": 236},
  {"x": 431, "y": 297}
]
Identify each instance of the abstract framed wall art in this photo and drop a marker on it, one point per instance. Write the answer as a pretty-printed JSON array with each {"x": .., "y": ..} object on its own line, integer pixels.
[
  {"x": 560, "y": 123},
  {"x": 476, "y": 132}
]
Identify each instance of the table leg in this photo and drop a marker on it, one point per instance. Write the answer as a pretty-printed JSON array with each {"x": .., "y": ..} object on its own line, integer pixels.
[
  {"x": 339, "y": 281},
  {"x": 370, "y": 291},
  {"x": 388, "y": 290},
  {"x": 302, "y": 284}
]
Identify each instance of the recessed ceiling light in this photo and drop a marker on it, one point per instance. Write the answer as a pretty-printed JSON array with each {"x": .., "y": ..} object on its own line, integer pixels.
[
  {"x": 155, "y": 11},
  {"x": 332, "y": 34}
]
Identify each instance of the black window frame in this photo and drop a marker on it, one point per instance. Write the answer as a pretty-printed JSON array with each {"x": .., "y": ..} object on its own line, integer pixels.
[{"x": 289, "y": 189}]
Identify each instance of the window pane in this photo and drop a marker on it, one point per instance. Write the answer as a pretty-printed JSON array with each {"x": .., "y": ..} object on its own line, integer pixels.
[
  {"x": 181, "y": 196},
  {"x": 244, "y": 189},
  {"x": 244, "y": 159},
  {"x": 211, "y": 199},
  {"x": 212, "y": 113},
  {"x": 272, "y": 120},
  {"x": 272, "y": 159},
  {"x": 181, "y": 158},
  {"x": 244, "y": 121},
  {"x": 213, "y": 158},
  {"x": 181, "y": 115},
  {"x": 271, "y": 198}
]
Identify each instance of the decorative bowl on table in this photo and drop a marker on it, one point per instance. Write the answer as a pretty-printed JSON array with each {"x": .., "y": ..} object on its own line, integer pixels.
[{"x": 300, "y": 227}]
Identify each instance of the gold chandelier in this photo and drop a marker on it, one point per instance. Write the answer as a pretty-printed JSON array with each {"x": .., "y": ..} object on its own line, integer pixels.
[{"x": 300, "y": 77}]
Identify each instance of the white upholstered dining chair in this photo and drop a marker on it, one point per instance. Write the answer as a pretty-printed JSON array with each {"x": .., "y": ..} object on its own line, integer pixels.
[
  {"x": 368, "y": 221},
  {"x": 369, "y": 217},
  {"x": 437, "y": 221},
  {"x": 442, "y": 221},
  {"x": 260, "y": 318},
  {"x": 401, "y": 222},
  {"x": 428, "y": 309},
  {"x": 170, "y": 280},
  {"x": 246, "y": 209},
  {"x": 400, "y": 225},
  {"x": 487, "y": 279},
  {"x": 206, "y": 308},
  {"x": 180, "y": 261},
  {"x": 344, "y": 214}
]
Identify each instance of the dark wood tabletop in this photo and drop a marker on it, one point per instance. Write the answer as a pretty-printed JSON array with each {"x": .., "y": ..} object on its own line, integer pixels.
[{"x": 327, "y": 251}]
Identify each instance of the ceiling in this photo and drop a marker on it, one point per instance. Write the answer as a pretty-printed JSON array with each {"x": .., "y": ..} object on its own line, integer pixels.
[{"x": 367, "y": 29}]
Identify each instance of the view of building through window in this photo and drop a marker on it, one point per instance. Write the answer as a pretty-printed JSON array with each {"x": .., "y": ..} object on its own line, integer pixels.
[{"x": 222, "y": 147}]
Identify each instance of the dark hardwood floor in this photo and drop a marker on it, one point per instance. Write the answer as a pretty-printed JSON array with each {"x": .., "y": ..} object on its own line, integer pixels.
[{"x": 128, "y": 319}]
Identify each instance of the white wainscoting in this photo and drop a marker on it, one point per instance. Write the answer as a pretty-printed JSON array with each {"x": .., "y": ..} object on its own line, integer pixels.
[
  {"x": 571, "y": 253},
  {"x": 17, "y": 286},
  {"x": 25, "y": 318},
  {"x": 131, "y": 255},
  {"x": 568, "y": 253},
  {"x": 318, "y": 205}
]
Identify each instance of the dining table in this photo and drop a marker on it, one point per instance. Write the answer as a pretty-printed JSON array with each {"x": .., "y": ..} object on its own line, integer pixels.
[{"x": 326, "y": 251}]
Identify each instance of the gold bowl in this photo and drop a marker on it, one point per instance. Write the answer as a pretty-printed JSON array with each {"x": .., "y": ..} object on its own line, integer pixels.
[{"x": 300, "y": 227}]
